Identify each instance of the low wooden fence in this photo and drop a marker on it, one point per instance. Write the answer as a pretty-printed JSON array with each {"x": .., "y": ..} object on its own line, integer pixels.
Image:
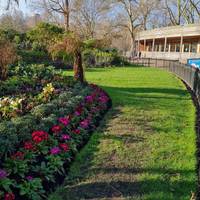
[{"x": 189, "y": 74}]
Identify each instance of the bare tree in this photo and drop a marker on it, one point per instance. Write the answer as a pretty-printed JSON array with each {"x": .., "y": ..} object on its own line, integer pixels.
[
  {"x": 14, "y": 20},
  {"x": 182, "y": 11},
  {"x": 146, "y": 9},
  {"x": 196, "y": 5},
  {"x": 55, "y": 8},
  {"x": 89, "y": 14},
  {"x": 128, "y": 18}
]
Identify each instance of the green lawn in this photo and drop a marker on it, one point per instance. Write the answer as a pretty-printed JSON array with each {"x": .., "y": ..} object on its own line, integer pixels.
[{"x": 145, "y": 147}]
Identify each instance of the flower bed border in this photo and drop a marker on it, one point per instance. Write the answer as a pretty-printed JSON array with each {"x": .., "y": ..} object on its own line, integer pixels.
[{"x": 100, "y": 102}]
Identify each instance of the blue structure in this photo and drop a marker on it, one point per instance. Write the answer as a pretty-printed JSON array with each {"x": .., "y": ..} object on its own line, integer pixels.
[{"x": 194, "y": 62}]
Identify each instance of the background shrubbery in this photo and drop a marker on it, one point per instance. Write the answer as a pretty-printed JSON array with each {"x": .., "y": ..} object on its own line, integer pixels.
[{"x": 32, "y": 48}]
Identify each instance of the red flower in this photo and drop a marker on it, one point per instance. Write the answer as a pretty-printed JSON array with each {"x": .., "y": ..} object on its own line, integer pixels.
[
  {"x": 29, "y": 146},
  {"x": 77, "y": 131},
  {"x": 19, "y": 155},
  {"x": 9, "y": 196},
  {"x": 64, "y": 147},
  {"x": 56, "y": 129},
  {"x": 39, "y": 136}
]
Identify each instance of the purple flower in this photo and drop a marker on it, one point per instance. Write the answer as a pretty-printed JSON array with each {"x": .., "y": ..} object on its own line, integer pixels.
[
  {"x": 89, "y": 99},
  {"x": 29, "y": 178},
  {"x": 55, "y": 150},
  {"x": 103, "y": 99},
  {"x": 3, "y": 174},
  {"x": 66, "y": 137},
  {"x": 84, "y": 124}
]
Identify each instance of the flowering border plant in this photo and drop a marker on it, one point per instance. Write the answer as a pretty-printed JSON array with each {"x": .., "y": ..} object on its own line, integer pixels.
[{"x": 41, "y": 161}]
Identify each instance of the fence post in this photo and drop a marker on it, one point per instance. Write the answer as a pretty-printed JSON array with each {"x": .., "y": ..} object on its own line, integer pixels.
[{"x": 196, "y": 80}]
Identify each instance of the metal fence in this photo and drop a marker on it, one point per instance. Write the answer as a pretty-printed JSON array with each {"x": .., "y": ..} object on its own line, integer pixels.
[{"x": 190, "y": 75}]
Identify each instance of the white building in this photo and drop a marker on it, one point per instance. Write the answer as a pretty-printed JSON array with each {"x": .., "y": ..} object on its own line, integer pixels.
[{"x": 171, "y": 43}]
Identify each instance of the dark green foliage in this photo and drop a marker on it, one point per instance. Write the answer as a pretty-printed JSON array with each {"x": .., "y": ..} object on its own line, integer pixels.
[
  {"x": 8, "y": 137},
  {"x": 31, "y": 57},
  {"x": 43, "y": 35}
]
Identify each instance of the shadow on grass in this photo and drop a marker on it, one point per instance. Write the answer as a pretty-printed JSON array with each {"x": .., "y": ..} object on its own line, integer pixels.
[
  {"x": 77, "y": 188},
  {"x": 105, "y": 190}
]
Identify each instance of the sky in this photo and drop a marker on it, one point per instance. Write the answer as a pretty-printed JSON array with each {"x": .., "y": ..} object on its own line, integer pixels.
[{"x": 23, "y": 6}]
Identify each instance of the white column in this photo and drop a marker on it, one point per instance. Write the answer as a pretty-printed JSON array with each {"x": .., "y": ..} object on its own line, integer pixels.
[
  {"x": 165, "y": 45},
  {"x": 138, "y": 47},
  {"x": 153, "y": 45},
  {"x": 144, "y": 54},
  {"x": 181, "y": 45}
]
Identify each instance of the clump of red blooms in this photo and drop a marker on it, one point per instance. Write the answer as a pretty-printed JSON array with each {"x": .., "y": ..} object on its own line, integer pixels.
[
  {"x": 29, "y": 146},
  {"x": 77, "y": 131},
  {"x": 64, "y": 147},
  {"x": 39, "y": 136},
  {"x": 18, "y": 156},
  {"x": 9, "y": 196},
  {"x": 56, "y": 129}
]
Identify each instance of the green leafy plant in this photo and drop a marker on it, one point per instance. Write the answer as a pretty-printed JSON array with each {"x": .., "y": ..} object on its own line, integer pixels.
[{"x": 32, "y": 189}]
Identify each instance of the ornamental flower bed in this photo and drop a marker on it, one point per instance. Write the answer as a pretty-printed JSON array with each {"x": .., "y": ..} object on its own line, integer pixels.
[{"x": 40, "y": 163}]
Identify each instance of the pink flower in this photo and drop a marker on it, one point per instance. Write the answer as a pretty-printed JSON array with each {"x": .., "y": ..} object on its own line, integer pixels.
[
  {"x": 84, "y": 124},
  {"x": 89, "y": 99},
  {"x": 29, "y": 178},
  {"x": 103, "y": 99},
  {"x": 3, "y": 174},
  {"x": 55, "y": 150},
  {"x": 66, "y": 137},
  {"x": 79, "y": 110},
  {"x": 64, "y": 120}
]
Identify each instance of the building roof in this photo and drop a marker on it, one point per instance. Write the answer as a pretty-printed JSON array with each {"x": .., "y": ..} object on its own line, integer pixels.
[{"x": 171, "y": 31}]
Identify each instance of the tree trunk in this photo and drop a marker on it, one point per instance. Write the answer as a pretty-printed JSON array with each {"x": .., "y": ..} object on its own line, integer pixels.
[
  {"x": 78, "y": 67},
  {"x": 3, "y": 72},
  {"x": 66, "y": 15},
  {"x": 132, "y": 44}
]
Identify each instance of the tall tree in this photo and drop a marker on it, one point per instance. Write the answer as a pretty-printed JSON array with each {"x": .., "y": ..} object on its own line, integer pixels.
[
  {"x": 129, "y": 18},
  {"x": 89, "y": 14},
  {"x": 55, "y": 7},
  {"x": 11, "y": 1},
  {"x": 146, "y": 9},
  {"x": 182, "y": 11}
]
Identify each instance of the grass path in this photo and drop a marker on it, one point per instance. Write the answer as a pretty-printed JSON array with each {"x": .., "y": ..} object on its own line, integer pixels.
[{"x": 145, "y": 147}]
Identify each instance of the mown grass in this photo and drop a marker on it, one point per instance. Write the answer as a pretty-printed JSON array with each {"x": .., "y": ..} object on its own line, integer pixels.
[{"x": 145, "y": 147}]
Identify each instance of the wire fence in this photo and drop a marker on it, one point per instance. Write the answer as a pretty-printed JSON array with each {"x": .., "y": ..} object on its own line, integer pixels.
[{"x": 189, "y": 74}]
